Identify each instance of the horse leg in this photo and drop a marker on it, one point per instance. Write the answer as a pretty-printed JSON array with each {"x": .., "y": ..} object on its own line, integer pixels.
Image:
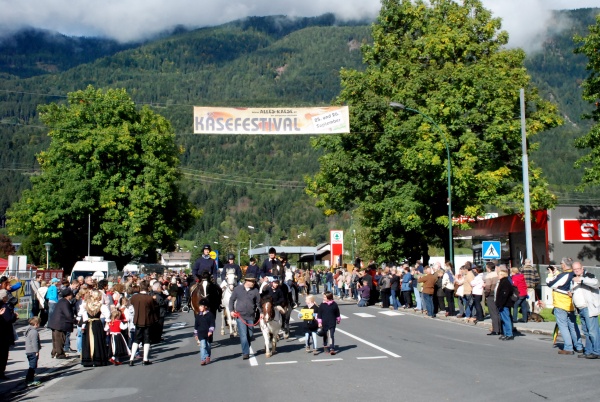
[
  {"x": 286, "y": 323},
  {"x": 232, "y": 328},
  {"x": 223, "y": 317},
  {"x": 265, "y": 331}
]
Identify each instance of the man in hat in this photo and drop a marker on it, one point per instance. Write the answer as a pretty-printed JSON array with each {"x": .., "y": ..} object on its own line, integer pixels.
[
  {"x": 205, "y": 264},
  {"x": 269, "y": 264},
  {"x": 244, "y": 302},
  {"x": 61, "y": 323}
]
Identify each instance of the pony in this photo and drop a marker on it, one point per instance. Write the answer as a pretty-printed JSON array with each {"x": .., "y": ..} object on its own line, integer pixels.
[
  {"x": 227, "y": 288},
  {"x": 269, "y": 326}
]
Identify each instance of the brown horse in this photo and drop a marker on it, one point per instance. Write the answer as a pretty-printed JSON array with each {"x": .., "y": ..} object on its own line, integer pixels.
[
  {"x": 205, "y": 289},
  {"x": 269, "y": 326}
]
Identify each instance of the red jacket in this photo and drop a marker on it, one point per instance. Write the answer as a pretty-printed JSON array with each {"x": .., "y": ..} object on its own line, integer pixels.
[{"x": 519, "y": 281}]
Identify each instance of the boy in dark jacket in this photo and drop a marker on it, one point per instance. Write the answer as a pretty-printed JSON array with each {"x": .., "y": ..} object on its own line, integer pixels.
[
  {"x": 32, "y": 350},
  {"x": 203, "y": 330}
]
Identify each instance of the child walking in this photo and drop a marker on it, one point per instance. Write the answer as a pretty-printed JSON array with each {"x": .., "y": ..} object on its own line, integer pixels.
[
  {"x": 327, "y": 318},
  {"x": 118, "y": 345},
  {"x": 203, "y": 330},
  {"x": 32, "y": 350},
  {"x": 311, "y": 325}
]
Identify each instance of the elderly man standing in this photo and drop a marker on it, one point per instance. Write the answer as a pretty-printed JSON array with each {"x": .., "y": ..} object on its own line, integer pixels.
[
  {"x": 563, "y": 308},
  {"x": 532, "y": 279},
  {"x": 244, "y": 302},
  {"x": 586, "y": 299},
  {"x": 61, "y": 323},
  {"x": 428, "y": 286}
]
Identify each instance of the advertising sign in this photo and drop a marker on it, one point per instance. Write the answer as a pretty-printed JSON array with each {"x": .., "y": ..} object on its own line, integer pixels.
[
  {"x": 580, "y": 230},
  {"x": 336, "y": 239},
  {"x": 311, "y": 121}
]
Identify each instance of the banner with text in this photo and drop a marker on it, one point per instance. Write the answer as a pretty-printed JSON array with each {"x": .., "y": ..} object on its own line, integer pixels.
[{"x": 313, "y": 120}]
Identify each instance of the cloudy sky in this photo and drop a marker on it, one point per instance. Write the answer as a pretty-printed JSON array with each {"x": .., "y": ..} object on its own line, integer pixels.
[{"x": 130, "y": 20}]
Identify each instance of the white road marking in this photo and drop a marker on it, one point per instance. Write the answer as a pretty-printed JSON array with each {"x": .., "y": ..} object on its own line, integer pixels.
[
  {"x": 178, "y": 325},
  {"x": 343, "y": 316},
  {"x": 390, "y": 313},
  {"x": 327, "y": 360},
  {"x": 367, "y": 343},
  {"x": 290, "y": 362},
  {"x": 364, "y": 315},
  {"x": 372, "y": 357},
  {"x": 253, "y": 361}
]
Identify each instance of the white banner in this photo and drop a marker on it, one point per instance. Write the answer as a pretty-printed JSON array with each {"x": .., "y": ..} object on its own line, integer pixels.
[{"x": 315, "y": 120}]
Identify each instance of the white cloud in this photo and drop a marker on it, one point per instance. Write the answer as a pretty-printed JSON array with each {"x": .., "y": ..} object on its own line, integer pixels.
[{"x": 127, "y": 20}]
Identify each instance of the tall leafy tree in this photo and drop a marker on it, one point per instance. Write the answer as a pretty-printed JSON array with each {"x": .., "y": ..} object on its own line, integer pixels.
[
  {"x": 448, "y": 60},
  {"x": 111, "y": 161},
  {"x": 589, "y": 46}
]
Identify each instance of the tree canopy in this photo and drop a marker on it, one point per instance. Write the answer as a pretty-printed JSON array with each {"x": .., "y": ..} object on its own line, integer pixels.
[
  {"x": 589, "y": 46},
  {"x": 111, "y": 161},
  {"x": 447, "y": 60}
]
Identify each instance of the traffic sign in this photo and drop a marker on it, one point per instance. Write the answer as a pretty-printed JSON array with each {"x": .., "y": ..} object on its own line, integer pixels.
[{"x": 490, "y": 250}]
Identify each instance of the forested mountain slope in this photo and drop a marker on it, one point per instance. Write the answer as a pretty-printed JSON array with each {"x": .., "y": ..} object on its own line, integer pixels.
[{"x": 260, "y": 61}]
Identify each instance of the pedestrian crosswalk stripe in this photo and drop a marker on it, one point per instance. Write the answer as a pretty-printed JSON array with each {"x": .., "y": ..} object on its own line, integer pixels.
[
  {"x": 327, "y": 360},
  {"x": 290, "y": 362},
  {"x": 390, "y": 313},
  {"x": 343, "y": 317},
  {"x": 371, "y": 357},
  {"x": 364, "y": 315}
]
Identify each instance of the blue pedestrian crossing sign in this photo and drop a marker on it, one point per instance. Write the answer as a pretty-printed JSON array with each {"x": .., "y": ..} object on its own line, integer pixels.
[{"x": 490, "y": 250}]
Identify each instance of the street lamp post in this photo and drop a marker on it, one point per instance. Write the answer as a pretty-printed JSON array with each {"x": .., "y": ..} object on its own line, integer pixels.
[
  {"x": 396, "y": 105},
  {"x": 250, "y": 245},
  {"x": 47, "y": 245}
]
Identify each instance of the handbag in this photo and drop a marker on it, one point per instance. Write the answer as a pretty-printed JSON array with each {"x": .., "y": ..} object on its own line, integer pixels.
[{"x": 320, "y": 331}]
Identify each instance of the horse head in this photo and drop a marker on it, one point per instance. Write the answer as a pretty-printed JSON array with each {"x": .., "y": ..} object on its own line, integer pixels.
[{"x": 267, "y": 308}]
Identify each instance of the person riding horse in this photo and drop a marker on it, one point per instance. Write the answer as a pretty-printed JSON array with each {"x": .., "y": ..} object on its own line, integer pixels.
[
  {"x": 205, "y": 264},
  {"x": 281, "y": 302},
  {"x": 206, "y": 289},
  {"x": 231, "y": 268}
]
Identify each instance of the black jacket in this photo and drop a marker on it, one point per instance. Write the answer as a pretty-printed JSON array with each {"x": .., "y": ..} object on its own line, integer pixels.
[
  {"x": 62, "y": 317},
  {"x": 503, "y": 294}
]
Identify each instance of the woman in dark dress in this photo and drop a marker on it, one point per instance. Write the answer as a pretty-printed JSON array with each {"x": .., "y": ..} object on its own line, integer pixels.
[{"x": 94, "y": 351}]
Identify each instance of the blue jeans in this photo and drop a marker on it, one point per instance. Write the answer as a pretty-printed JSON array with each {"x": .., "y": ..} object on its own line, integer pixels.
[
  {"x": 80, "y": 340},
  {"x": 67, "y": 346},
  {"x": 246, "y": 334},
  {"x": 506, "y": 321},
  {"x": 467, "y": 303},
  {"x": 394, "y": 300},
  {"x": 329, "y": 286},
  {"x": 428, "y": 304},
  {"x": 310, "y": 338},
  {"x": 568, "y": 329},
  {"x": 363, "y": 303},
  {"x": 418, "y": 298},
  {"x": 524, "y": 307},
  {"x": 589, "y": 326},
  {"x": 329, "y": 338},
  {"x": 204, "y": 349}
]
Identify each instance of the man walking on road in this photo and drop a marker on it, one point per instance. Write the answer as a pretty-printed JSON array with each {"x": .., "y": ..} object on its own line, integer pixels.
[
  {"x": 244, "y": 302},
  {"x": 146, "y": 312}
]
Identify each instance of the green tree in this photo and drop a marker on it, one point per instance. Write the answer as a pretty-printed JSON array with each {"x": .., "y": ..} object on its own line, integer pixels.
[
  {"x": 111, "y": 161},
  {"x": 449, "y": 61},
  {"x": 590, "y": 162}
]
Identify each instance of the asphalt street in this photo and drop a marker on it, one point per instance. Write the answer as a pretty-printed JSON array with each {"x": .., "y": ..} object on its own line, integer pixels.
[{"x": 383, "y": 354}]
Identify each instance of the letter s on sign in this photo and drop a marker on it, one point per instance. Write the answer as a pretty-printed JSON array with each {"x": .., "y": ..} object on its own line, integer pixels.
[{"x": 587, "y": 230}]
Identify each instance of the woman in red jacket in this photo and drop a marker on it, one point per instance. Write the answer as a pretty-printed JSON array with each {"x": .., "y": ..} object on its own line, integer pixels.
[{"x": 518, "y": 280}]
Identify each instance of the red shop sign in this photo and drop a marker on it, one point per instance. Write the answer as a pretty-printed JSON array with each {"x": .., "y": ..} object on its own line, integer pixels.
[{"x": 581, "y": 230}]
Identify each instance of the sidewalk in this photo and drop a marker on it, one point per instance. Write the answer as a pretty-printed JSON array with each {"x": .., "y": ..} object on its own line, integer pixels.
[
  {"x": 542, "y": 328},
  {"x": 17, "y": 366}
]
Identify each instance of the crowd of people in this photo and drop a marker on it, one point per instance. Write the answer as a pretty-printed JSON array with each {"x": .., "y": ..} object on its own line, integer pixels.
[{"x": 116, "y": 319}]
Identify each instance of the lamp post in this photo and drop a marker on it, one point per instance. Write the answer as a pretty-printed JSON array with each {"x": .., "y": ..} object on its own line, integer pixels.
[
  {"x": 250, "y": 245},
  {"x": 396, "y": 105},
  {"x": 47, "y": 245}
]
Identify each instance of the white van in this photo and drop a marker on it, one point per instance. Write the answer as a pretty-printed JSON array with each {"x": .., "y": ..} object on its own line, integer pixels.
[
  {"x": 96, "y": 267},
  {"x": 132, "y": 269}
]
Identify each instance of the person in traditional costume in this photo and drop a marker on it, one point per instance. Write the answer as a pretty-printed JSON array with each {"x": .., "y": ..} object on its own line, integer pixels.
[{"x": 94, "y": 351}]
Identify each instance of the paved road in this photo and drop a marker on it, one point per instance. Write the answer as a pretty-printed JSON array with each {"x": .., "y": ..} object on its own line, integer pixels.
[{"x": 383, "y": 355}]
